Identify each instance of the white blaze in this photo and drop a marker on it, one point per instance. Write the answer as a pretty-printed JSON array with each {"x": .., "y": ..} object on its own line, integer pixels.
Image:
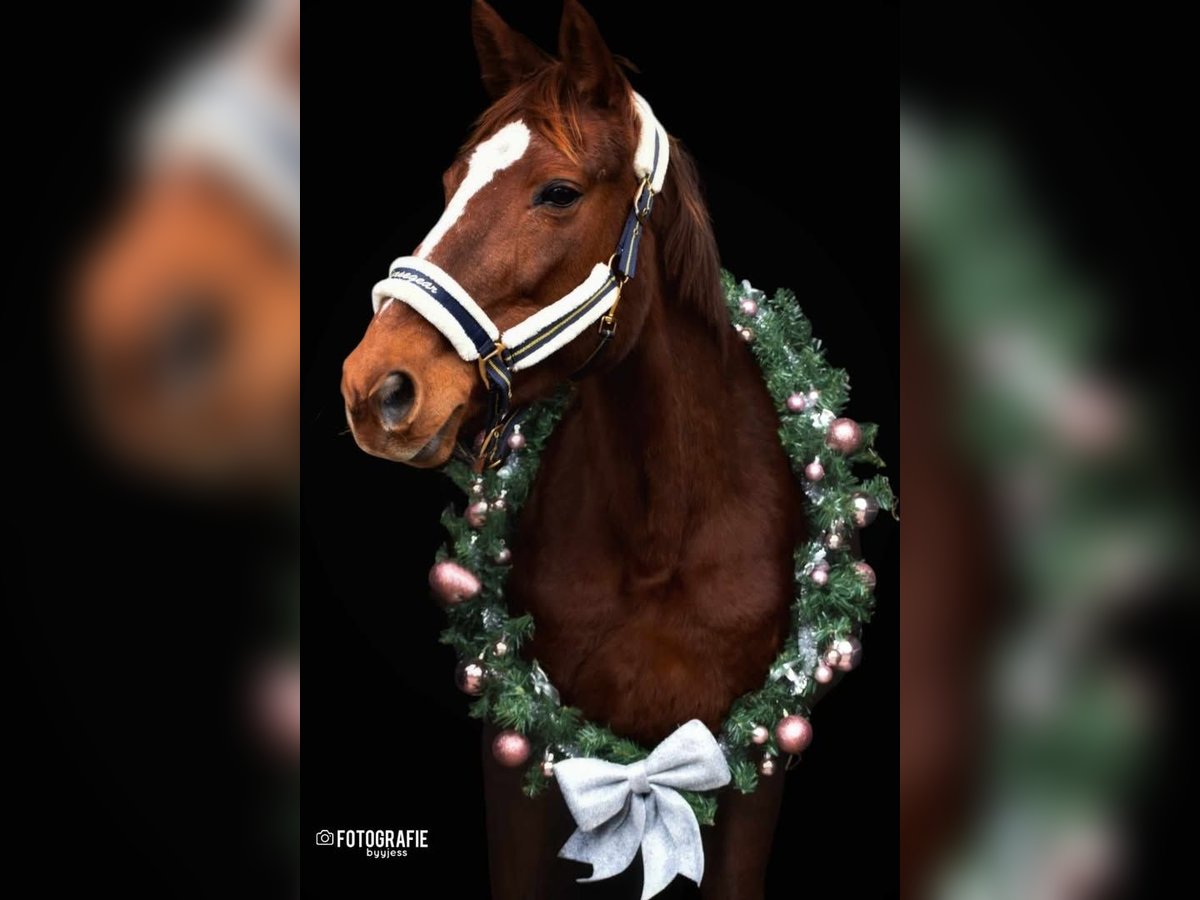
[{"x": 498, "y": 152}]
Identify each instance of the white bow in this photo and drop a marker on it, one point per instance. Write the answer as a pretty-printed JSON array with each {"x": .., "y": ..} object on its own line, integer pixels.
[{"x": 621, "y": 808}]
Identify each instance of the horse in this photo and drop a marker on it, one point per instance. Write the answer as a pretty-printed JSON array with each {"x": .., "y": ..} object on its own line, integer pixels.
[
  {"x": 186, "y": 316},
  {"x": 655, "y": 551}
]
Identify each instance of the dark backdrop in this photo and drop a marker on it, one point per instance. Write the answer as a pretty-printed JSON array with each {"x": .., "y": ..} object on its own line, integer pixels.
[{"x": 793, "y": 127}]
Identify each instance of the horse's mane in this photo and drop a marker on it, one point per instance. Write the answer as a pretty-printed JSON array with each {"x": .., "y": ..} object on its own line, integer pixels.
[{"x": 551, "y": 104}]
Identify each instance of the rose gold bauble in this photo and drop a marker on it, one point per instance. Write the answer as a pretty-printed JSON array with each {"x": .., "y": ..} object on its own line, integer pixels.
[
  {"x": 864, "y": 509},
  {"x": 469, "y": 677},
  {"x": 511, "y": 748},
  {"x": 823, "y": 674},
  {"x": 452, "y": 583},
  {"x": 820, "y": 576},
  {"x": 844, "y": 435},
  {"x": 866, "y": 573},
  {"x": 476, "y": 514},
  {"x": 504, "y": 556},
  {"x": 814, "y": 471},
  {"x": 793, "y": 734},
  {"x": 796, "y": 403},
  {"x": 851, "y": 653},
  {"x": 759, "y": 735},
  {"x": 748, "y": 335},
  {"x": 516, "y": 441},
  {"x": 832, "y": 657},
  {"x": 749, "y": 307}
]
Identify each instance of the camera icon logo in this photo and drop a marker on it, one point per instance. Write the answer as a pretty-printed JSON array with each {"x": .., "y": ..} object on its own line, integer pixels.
[{"x": 324, "y": 838}]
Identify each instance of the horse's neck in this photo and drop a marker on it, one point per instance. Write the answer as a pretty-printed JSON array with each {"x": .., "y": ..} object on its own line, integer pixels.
[{"x": 657, "y": 427}]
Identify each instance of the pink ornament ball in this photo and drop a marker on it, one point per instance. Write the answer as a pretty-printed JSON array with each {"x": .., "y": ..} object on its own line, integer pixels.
[
  {"x": 844, "y": 435},
  {"x": 451, "y": 583},
  {"x": 823, "y": 674},
  {"x": 864, "y": 509},
  {"x": 476, "y": 514},
  {"x": 796, "y": 403},
  {"x": 516, "y": 441},
  {"x": 759, "y": 735},
  {"x": 866, "y": 573},
  {"x": 814, "y": 471},
  {"x": 511, "y": 748},
  {"x": 469, "y": 677},
  {"x": 820, "y": 576},
  {"x": 504, "y": 556},
  {"x": 850, "y": 650},
  {"x": 749, "y": 307},
  {"x": 793, "y": 734}
]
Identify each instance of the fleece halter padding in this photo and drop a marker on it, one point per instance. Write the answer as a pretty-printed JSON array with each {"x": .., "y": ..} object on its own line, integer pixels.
[
  {"x": 231, "y": 115},
  {"x": 438, "y": 298}
]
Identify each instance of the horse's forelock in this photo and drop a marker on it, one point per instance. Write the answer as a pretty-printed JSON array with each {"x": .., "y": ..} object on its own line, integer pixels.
[{"x": 553, "y": 106}]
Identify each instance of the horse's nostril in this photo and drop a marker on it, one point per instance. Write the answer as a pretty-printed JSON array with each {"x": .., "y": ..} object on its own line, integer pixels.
[{"x": 393, "y": 399}]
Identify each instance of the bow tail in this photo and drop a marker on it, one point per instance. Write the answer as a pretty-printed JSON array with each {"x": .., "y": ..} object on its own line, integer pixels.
[
  {"x": 676, "y": 819},
  {"x": 660, "y": 853},
  {"x": 611, "y": 847}
]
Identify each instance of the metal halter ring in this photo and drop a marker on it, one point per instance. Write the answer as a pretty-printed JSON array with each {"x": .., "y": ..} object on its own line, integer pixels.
[{"x": 483, "y": 361}]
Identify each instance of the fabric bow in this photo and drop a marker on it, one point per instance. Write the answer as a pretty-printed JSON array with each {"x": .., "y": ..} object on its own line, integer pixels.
[{"x": 621, "y": 808}]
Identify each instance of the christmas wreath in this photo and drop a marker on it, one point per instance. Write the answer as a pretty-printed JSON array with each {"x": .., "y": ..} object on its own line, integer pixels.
[{"x": 834, "y": 590}]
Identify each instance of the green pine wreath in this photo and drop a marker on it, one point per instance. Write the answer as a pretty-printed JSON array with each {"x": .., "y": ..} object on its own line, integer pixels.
[{"x": 514, "y": 693}]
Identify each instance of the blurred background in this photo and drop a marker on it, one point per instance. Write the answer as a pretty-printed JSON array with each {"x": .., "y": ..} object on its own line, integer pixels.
[
  {"x": 153, "y": 591},
  {"x": 1046, "y": 182}
]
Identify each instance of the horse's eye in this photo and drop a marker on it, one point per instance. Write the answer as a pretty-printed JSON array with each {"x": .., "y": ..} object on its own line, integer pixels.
[{"x": 558, "y": 194}]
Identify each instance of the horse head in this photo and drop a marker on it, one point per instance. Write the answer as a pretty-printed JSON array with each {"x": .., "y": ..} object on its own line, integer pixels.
[{"x": 536, "y": 202}]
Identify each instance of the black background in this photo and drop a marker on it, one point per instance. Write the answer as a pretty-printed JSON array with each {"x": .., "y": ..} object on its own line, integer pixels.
[{"x": 387, "y": 740}]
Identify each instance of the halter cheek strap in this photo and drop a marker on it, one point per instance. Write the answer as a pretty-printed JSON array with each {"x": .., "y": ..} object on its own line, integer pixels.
[{"x": 438, "y": 298}]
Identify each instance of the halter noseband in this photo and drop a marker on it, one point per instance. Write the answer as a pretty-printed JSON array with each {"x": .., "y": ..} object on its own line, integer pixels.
[{"x": 438, "y": 298}]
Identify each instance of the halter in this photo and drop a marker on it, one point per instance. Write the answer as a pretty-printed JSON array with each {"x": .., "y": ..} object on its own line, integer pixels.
[{"x": 439, "y": 299}]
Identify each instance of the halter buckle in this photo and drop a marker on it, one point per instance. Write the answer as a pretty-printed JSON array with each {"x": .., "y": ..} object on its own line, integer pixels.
[
  {"x": 483, "y": 459},
  {"x": 643, "y": 213},
  {"x": 483, "y": 361},
  {"x": 608, "y": 321}
]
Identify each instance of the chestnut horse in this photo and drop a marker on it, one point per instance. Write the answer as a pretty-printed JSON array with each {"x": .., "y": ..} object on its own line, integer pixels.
[{"x": 655, "y": 550}]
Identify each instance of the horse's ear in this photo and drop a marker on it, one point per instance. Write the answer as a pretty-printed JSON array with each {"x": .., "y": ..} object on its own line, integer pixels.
[
  {"x": 587, "y": 58},
  {"x": 505, "y": 57}
]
